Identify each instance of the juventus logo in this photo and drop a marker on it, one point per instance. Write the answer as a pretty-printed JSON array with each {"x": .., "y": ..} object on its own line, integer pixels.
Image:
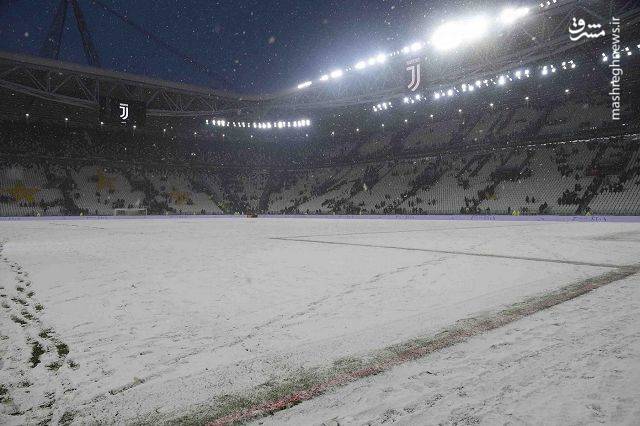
[
  {"x": 124, "y": 111},
  {"x": 413, "y": 66}
]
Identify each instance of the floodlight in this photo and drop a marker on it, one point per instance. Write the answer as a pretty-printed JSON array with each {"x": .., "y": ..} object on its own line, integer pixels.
[
  {"x": 436, "y": 96},
  {"x": 336, "y": 74},
  {"x": 324, "y": 78},
  {"x": 360, "y": 65},
  {"x": 501, "y": 80},
  {"x": 304, "y": 85},
  {"x": 450, "y": 92},
  {"x": 509, "y": 15},
  {"x": 381, "y": 58},
  {"x": 451, "y": 35}
]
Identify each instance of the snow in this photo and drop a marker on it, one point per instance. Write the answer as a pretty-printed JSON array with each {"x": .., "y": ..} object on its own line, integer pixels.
[
  {"x": 577, "y": 363},
  {"x": 162, "y": 317}
]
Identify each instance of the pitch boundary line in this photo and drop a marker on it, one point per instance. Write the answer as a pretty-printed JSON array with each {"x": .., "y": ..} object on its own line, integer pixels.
[
  {"x": 454, "y": 252},
  {"x": 423, "y": 230},
  {"x": 283, "y": 397}
]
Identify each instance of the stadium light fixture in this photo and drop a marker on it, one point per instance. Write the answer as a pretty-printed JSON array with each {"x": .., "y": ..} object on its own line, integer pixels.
[
  {"x": 381, "y": 58},
  {"x": 510, "y": 15},
  {"x": 361, "y": 65},
  {"x": 304, "y": 85},
  {"x": 336, "y": 74},
  {"x": 324, "y": 77},
  {"x": 451, "y": 35}
]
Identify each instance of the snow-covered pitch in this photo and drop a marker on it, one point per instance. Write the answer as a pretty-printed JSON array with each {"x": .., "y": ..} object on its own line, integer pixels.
[{"x": 166, "y": 320}]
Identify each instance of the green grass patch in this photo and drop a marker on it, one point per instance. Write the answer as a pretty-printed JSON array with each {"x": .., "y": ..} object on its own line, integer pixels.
[
  {"x": 39, "y": 307},
  {"x": 63, "y": 349},
  {"x": 45, "y": 334},
  {"x": 27, "y": 315},
  {"x": 36, "y": 352},
  {"x": 54, "y": 366},
  {"x": 67, "y": 418},
  {"x": 3, "y": 393},
  {"x": 18, "y": 320}
]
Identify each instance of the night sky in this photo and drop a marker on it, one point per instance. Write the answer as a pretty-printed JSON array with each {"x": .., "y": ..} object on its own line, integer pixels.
[{"x": 250, "y": 46}]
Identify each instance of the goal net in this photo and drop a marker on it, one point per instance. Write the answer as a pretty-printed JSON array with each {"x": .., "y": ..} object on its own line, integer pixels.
[{"x": 130, "y": 212}]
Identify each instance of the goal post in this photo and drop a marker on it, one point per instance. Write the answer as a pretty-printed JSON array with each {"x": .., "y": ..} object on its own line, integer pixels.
[{"x": 130, "y": 212}]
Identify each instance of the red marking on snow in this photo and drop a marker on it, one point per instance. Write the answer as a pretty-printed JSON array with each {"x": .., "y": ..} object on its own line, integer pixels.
[{"x": 316, "y": 390}]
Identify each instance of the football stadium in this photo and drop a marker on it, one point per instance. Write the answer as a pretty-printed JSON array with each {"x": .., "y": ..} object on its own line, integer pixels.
[{"x": 343, "y": 213}]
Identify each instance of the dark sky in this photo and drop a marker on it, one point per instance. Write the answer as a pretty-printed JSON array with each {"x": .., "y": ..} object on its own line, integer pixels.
[{"x": 252, "y": 46}]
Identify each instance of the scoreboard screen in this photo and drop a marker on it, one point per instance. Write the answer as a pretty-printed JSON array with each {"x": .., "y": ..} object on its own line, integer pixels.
[{"x": 126, "y": 112}]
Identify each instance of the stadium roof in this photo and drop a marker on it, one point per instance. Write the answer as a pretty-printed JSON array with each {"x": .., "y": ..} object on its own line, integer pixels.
[{"x": 542, "y": 36}]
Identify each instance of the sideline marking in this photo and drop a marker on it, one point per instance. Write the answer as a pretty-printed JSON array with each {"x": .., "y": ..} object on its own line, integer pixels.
[
  {"x": 462, "y": 253},
  {"x": 463, "y": 330}
]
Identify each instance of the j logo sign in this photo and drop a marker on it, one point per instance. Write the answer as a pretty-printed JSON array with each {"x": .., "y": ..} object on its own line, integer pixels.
[
  {"x": 413, "y": 67},
  {"x": 579, "y": 29},
  {"x": 124, "y": 111}
]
